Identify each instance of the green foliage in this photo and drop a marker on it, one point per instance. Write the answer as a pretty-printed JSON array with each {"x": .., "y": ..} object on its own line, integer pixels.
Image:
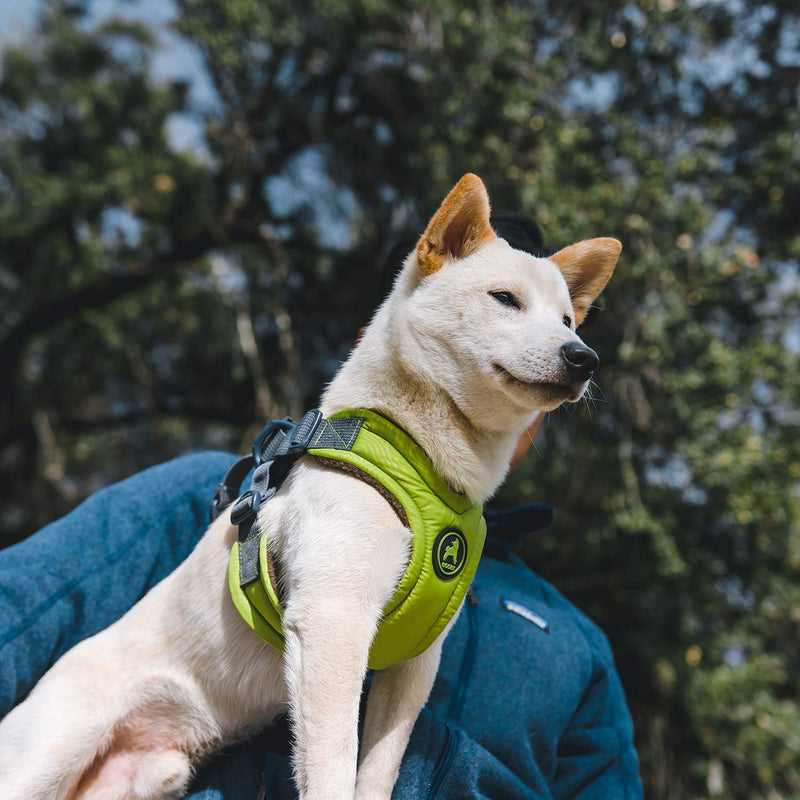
[{"x": 157, "y": 301}]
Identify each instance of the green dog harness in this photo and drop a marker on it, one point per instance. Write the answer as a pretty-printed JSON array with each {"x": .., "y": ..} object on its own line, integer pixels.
[{"x": 448, "y": 528}]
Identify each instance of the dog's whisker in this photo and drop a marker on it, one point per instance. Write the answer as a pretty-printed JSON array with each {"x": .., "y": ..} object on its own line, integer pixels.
[
  {"x": 593, "y": 385},
  {"x": 532, "y": 440}
]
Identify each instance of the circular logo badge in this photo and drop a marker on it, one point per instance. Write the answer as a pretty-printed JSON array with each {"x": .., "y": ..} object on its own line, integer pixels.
[{"x": 449, "y": 553}]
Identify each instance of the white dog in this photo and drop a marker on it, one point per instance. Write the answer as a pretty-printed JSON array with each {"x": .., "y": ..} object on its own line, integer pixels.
[{"x": 474, "y": 339}]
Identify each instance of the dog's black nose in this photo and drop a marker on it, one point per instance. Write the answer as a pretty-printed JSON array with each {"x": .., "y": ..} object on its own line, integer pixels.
[{"x": 581, "y": 361}]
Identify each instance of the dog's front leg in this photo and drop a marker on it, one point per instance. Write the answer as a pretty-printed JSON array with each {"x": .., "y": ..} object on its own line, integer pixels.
[
  {"x": 396, "y": 697},
  {"x": 327, "y": 647}
]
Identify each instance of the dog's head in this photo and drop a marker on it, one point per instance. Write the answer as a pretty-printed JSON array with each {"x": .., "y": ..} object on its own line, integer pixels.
[{"x": 495, "y": 326}]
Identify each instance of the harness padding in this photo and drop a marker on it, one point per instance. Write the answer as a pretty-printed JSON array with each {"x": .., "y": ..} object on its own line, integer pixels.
[{"x": 448, "y": 536}]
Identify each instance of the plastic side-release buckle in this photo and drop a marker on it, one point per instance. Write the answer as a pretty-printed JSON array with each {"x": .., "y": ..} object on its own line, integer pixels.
[
  {"x": 304, "y": 431},
  {"x": 246, "y": 507}
]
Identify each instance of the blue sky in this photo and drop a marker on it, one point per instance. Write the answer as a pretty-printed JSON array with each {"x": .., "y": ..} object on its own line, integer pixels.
[{"x": 16, "y": 20}]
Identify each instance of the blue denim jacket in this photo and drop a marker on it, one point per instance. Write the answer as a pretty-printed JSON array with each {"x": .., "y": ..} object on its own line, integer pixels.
[{"x": 527, "y": 702}]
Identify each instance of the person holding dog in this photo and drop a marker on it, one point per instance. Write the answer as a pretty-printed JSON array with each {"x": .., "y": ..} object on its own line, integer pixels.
[{"x": 527, "y": 702}]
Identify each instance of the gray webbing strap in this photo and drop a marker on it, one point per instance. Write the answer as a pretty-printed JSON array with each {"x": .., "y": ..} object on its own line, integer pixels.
[
  {"x": 249, "y": 530},
  {"x": 275, "y": 449},
  {"x": 337, "y": 434}
]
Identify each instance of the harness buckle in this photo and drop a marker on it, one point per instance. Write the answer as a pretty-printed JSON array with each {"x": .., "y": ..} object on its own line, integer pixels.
[
  {"x": 267, "y": 435},
  {"x": 283, "y": 437},
  {"x": 246, "y": 507},
  {"x": 304, "y": 431}
]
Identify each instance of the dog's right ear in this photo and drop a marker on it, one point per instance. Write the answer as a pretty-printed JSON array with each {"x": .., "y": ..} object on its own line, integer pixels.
[
  {"x": 586, "y": 267},
  {"x": 460, "y": 226}
]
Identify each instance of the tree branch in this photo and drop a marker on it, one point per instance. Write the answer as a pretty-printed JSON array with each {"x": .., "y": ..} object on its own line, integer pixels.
[{"x": 101, "y": 292}]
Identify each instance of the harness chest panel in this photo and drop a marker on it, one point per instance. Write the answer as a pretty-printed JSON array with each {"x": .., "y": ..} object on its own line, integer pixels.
[{"x": 448, "y": 536}]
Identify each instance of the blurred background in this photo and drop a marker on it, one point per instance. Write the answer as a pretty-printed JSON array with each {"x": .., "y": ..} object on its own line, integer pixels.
[{"x": 195, "y": 196}]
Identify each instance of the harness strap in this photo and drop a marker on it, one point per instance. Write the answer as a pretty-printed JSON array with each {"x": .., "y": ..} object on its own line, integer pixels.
[
  {"x": 228, "y": 489},
  {"x": 276, "y": 448}
]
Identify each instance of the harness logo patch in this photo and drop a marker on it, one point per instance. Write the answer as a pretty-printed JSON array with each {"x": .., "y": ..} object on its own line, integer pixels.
[{"x": 449, "y": 553}]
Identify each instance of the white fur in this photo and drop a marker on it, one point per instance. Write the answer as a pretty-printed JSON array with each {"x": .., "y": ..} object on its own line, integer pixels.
[{"x": 129, "y": 712}]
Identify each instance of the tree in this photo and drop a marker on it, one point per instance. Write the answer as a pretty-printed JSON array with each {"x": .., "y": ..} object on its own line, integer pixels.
[{"x": 158, "y": 300}]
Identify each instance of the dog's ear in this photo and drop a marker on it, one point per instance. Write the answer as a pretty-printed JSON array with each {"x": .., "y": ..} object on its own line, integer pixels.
[
  {"x": 458, "y": 228},
  {"x": 586, "y": 267}
]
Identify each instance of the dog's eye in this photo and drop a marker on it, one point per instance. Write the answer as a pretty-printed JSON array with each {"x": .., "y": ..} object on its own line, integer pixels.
[
  {"x": 506, "y": 298},
  {"x": 567, "y": 321}
]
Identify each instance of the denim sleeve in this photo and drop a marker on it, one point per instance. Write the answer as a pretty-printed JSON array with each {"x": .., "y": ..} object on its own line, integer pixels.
[
  {"x": 596, "y": 757},
  {"x": 81, "y": 573}
]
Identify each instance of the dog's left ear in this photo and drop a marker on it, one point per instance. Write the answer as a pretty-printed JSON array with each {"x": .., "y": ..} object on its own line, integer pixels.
[
  {"x": 458, "y": 228},
  {"x": 586, "y": 267}
]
